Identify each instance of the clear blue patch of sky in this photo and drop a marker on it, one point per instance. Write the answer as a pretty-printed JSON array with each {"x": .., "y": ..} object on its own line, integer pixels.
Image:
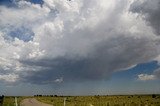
[
  {"x": 125, "y": 82},
  {"x": 22, "y": 33},
  {"x": 143, "y": 68},
  {"x": 10, "y": 3},
  {"x": 37, "y": 1}
]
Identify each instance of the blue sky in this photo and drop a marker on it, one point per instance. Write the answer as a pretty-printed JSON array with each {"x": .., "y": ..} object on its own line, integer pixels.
[
  {"x": 10, "y": 2},
  {"x": 79, "y": 47}
]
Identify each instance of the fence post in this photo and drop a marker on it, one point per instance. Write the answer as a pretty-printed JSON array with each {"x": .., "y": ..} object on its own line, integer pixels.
[
  {"x": 64, "y": 101},
  {"x": 16, "y": 104}
]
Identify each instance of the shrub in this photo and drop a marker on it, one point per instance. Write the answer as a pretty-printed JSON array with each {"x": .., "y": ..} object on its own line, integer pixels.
[{"x": 153, "y": 96}]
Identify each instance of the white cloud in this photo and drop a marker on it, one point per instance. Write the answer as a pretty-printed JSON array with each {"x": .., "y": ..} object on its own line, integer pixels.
[
  {"x": 9, "y": 78},
  {"x": 76, "y": 39},
  {"x": 149, "y": 10},
  {"x": 146, "y": 77},
  {"x": 154, "y": 76},
  {"x": 59, "y": 80}
]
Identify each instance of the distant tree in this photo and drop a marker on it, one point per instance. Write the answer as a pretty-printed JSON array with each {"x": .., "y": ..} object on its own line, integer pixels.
[
  {"x": 1, "y": 100},
  {"x": 2, "y": 96},
  {"x": 153, "y": 96},
  {"x": 55, "y": 95}
]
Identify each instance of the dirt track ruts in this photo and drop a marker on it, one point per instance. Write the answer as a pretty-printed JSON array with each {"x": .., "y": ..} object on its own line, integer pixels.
[{"x": 33, "y": 102}]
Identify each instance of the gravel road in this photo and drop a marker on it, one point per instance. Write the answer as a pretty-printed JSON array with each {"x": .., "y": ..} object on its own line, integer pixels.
[{"x": 32, "y": 102}]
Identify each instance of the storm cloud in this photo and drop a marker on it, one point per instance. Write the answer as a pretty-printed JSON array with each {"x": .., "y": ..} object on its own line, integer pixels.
[
  {"x": 75, "y": 41},
  {"x": 149, "y": 10},
  {"x": 105, "y": 59}
]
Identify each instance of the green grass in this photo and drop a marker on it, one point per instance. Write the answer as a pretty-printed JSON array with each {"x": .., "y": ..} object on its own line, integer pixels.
[
  {"x": 132, "y": 100},
  {"x": 10, "y": 100},
  {"x": 127, "y": 100}
]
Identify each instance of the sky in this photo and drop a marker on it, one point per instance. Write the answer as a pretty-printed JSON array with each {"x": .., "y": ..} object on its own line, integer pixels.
[{"x": 79, "y": 47}]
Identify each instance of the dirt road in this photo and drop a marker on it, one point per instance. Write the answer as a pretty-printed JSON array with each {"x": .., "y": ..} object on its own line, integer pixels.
[{"x": 32, "y": 102}]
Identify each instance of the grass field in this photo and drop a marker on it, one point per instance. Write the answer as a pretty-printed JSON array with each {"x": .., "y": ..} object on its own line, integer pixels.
[
  {"x": 132, "y": 100},
  {"x": 127, "y": 100},
  {"x": 10, "y": 100}
]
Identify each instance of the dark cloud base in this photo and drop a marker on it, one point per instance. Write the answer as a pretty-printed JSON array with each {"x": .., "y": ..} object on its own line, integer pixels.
[{"x": 108, "y": 57}]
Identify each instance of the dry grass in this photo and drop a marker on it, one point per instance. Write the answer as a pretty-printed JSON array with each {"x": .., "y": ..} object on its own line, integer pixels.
[
  {"x": 10, "y": 100},
  {"x": 127, "y": 100},
  {"x": 132, "y": 100}
]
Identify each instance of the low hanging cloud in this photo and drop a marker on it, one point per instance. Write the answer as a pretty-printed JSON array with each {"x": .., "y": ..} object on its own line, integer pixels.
[
  {"x": 59, "y": 80},
  {"x": 153, "y": 76},
  {"x": 75, "y": 40},
  {"x": 146, "y": 77}
]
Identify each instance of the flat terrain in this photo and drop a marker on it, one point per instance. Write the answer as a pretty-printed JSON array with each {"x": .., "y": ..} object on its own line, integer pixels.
[
  {"x": 32, "y": 102},
  {"x": 123, "y": 100},
  {"x": 10, "y": 100},
  {"x": 111, "y": 100}
]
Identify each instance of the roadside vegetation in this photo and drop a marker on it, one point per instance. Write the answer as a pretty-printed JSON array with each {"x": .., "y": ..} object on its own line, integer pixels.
[
  {"x": 121, "y": 100},
  {"x": 10, "y": 100},
  {"x": 127, "y": 100}
]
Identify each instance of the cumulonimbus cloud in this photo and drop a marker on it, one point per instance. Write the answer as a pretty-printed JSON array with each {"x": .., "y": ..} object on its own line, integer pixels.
[
  {"x": 76, "y": 40},
  {"x": 149, "y": 10}
]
